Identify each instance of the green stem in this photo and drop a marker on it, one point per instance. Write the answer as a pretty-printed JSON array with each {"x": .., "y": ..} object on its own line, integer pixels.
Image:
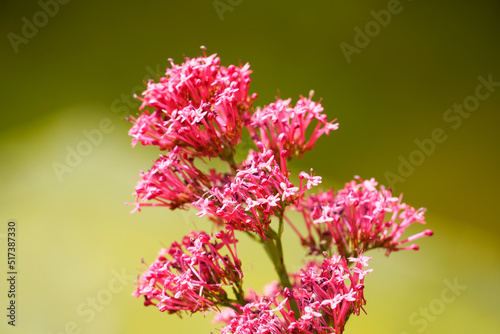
[
  {"x": 228, "y": 156},
  {"x": 232, "y": 304},
  {"x": 238, "y": 292},
  {"x": 274, "y": 250}
]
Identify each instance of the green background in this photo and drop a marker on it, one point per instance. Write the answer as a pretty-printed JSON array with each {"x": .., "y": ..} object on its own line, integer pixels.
[{"x": 80, "y": 67}]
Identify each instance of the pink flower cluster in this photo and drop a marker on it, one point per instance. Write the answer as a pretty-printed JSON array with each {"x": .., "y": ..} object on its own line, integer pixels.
[
  {"x": 173, "y": 181},
  {"x": 358, "y": 218},
  {"x": 197, "y": 114},
  {"x": 194, "y": 280},
  {"x": 259, "y": 187},
  {"x": 198, "y": 106},
  {"x": 324, "y": 296},
  {"x": 282, "y": 128},
  {"x": 258, "y": 191}
]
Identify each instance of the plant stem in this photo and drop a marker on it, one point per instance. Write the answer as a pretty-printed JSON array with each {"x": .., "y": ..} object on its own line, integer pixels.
[
  {"x": 274, "y": 250},
  {"x": 228, "y": 156}
]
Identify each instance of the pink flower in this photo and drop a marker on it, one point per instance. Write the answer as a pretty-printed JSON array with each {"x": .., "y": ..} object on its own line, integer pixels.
[
  {"x": 283, "y": 128},
  {"x": 259, "y": 191},
  {"x": 310, "y": 313},
  {"x": 325, "y": 296},
  {"x": 197, "y": 112},
  {"x": 181, "y": 281},
  {"x": 288, "y": 192},
  {"x": 358, "y": 218},
  {"x": 330, "y": 293},
  {"x": 264, "y": 315},
  {"x": 362, "y": 260},
  {"x": 225, "y": 316},
  {"x": 197, "y": 106},
  {"x": 311, "y": 181},
  {"x": 332, "y": 303},
  {"x": 173, "y": 181}
]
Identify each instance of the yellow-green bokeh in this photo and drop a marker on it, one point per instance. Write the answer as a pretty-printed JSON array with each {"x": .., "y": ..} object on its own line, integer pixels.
[{"x": 75, "y": 235}]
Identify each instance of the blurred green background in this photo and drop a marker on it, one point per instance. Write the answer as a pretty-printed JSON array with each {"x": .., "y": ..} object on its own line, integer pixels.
[{"x": 79, "y": 249}]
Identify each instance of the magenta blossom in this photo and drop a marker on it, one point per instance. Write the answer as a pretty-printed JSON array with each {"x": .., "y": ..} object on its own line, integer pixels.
[
  {"x": 173, "y": 181},
  {"x": 258, "y": 191},
  {"x": 358, "y": 218},
  {"x": 196, "y": 115},
  {"x": 197, "y": 106},
  {"x": 324, "y": 296},
  {"x": 283, "y": 128},
  {"x": 192, "y": 276},
  {"x": 331, "y": 292}
]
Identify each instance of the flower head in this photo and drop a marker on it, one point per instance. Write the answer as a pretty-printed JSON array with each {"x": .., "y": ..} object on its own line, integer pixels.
[
  {"x": 197, "y": 106},
  {"x": 359, "y": 217},
  {"x": 282, "y": 128},
  {"x": 258, "y": 191},
  {"x": 197, "y": 112},
  {"x": 173, "y": 181},
  {"x": 325, "y": 296},
  {"x": 328, "y": 294},
  {"x": 261, "y": 316},
  {"x": 191, "y": 276}
]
